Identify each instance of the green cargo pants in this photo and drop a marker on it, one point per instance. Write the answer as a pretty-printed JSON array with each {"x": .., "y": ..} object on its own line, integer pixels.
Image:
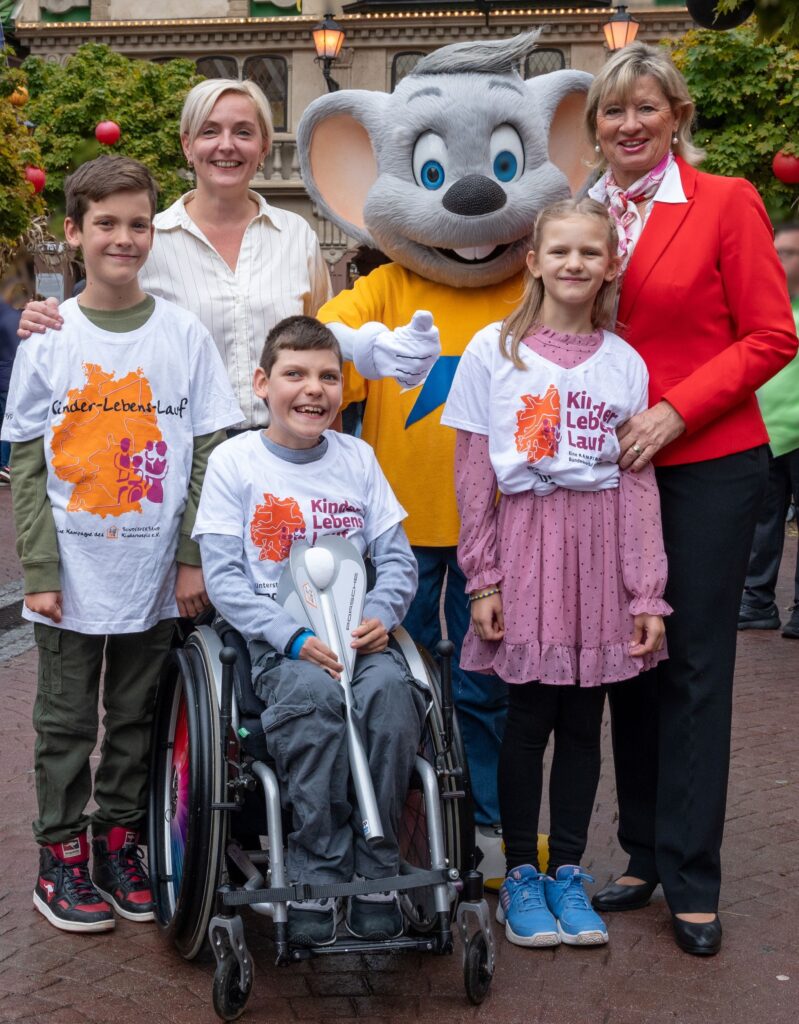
[{"x": 65, "y": 717}]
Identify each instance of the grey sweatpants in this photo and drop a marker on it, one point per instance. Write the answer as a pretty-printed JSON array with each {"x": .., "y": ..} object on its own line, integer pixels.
[{"x": 305, "y": 728}]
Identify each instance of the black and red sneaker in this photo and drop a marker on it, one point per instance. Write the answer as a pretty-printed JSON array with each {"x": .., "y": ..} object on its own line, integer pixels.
[
  {"x": 119, "y": 874},
  {"x": 64, "y": 891}
]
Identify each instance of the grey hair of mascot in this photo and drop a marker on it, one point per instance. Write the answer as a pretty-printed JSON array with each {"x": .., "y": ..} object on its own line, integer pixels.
[{"x": 446, "y": 174}]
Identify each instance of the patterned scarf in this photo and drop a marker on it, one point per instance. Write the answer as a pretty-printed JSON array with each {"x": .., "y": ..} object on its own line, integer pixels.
[{"x": 621, "y": 204}]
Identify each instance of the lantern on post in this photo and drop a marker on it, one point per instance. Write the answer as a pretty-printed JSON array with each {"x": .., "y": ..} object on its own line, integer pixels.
[
  {"x": 621, "y": 30},
  {"x": 328, "y": 38}
]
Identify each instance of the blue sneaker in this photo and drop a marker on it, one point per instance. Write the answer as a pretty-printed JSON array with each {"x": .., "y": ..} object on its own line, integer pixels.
[
  {"x": 578, "y": 923},
  {"x": 522, "y": 908}
]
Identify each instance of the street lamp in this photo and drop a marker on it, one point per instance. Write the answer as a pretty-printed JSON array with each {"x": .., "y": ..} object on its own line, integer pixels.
[
  {"x": 328, "y": 38},
  {"x": 621, "y": 30}
]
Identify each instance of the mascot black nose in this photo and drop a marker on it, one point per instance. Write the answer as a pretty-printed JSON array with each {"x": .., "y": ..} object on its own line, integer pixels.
[{"x": 474, "y": 194}]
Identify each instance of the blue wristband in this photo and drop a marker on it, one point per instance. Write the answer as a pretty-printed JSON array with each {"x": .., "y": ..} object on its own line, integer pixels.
[{"x": 297, "y": 644}]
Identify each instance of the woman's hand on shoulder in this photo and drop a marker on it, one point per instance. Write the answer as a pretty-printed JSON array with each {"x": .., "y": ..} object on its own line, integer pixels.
[
  {"x": 649, "y": 635},
  {"x": 37, "y": 317},
  {"x": 644, "y": 434},
  {"x": 487, "y": 618}
]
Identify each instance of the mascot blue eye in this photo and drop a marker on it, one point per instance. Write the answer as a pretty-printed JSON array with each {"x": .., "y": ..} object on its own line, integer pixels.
[
  {"x": 432, "y": 175},
  {"x": 505, "y": 166}
]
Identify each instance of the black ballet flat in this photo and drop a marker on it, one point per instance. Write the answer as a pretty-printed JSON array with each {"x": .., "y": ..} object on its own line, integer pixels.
[
  {"x": 623, "y": 897},
  {"x": 698, "y": 939}
]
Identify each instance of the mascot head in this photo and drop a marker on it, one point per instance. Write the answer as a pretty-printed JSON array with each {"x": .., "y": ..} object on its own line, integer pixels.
[{"x": 446, "y": 174}]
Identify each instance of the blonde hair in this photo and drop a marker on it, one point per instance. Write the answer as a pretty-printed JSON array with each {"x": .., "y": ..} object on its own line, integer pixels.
[
  {"x": 618, "y": 78},
  {"x": 603, "y": 312},
  {"x": 202, "y": 99}
]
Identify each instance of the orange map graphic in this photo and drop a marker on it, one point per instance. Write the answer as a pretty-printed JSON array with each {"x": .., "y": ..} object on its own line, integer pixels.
[
  {"x": 538, "y": 425},
  {"x": 95, "y": 443},
  {"x": 274, "y": 526}
]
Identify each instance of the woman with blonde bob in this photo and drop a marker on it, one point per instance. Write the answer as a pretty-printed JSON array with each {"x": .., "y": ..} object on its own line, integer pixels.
[
  {"x": 703, "y": 300},
  {"x": 221, "y": 251}
]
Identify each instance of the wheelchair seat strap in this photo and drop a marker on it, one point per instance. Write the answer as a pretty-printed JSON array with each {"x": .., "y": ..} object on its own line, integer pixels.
[{"x": 302, "y": 891}]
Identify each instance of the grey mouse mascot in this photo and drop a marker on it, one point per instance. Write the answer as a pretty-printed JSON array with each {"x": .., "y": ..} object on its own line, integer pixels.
[{"x": 445, "y": 175}]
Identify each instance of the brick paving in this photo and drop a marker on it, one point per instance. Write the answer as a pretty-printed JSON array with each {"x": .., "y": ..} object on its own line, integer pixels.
[{"x": 639, "y": 978}]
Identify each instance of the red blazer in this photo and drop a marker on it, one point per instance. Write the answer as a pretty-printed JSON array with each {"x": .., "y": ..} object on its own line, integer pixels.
[{"x": 705, "y": 303}]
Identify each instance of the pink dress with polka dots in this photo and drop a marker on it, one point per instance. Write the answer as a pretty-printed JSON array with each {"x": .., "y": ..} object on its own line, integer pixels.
[{"x": 574, "y": 566}]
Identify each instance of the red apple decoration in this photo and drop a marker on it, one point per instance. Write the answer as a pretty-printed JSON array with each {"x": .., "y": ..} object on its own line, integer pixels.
[
  {"x": 786, "y": 167},
  {"x": 37, "y": 178},
  {"x": 107, "y": 133}
]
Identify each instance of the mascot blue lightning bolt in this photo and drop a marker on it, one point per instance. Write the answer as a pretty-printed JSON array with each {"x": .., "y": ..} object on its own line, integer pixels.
[{"x": 445, "y": 175}]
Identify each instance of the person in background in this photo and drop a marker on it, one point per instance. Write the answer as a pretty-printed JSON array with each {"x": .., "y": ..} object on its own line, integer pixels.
[
  {"x": 779, "y": 404},
  {"x": 9, "y": 322}
]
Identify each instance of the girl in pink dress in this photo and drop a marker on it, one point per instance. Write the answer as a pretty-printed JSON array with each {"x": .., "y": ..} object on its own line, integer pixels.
[{"x": 566, "y": 570}]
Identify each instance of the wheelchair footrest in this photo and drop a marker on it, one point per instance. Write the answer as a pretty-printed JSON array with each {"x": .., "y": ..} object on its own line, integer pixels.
[
  {"x": 405, "y": 943},
  {"x": 302, "y": 891}
]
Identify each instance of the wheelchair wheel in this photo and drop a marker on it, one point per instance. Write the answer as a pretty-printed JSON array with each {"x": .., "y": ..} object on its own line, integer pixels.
[
  {"x": 187, "y": 778},
  {"x": 229, "y": 998},
  {"x": 413, "y": 838},
  {"x": 476, "y": 976}
]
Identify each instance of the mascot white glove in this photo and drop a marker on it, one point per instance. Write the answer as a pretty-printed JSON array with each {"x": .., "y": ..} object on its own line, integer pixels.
[{"x": 406, "y": 354}]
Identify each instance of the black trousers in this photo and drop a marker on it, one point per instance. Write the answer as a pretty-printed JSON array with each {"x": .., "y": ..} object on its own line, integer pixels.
[
  {"x": 671, "y": 728},
  {"x": 764, "y": 562},
  {"x": 535, "y": 710}
]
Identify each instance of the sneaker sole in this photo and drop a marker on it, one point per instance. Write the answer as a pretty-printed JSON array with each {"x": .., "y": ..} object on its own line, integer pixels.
[
  {"x": 129, "y": 915},
  {"x": 538, "y": 941},
  {"x": 71, "y": 926},
  {"x": 759, "y": 624},
  {"x": 590, "y": 938}
]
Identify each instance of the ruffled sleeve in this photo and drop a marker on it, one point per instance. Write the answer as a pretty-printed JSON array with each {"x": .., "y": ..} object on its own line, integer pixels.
[
  {"x": 476, "y": 490},
  {"x": 643, "y": 557}
]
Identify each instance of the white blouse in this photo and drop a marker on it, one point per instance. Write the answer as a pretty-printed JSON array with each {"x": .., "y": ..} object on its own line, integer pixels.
[{"x": 280, "y": 272}]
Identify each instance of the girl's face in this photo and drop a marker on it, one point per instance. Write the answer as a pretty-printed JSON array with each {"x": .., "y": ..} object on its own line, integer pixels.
[
  {"x": 573, "y": 261},
  {"x": 229, "y": 147}
]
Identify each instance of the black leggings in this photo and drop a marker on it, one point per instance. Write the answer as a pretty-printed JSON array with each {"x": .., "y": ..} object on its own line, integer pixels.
[{"x": 575, "y": 715}]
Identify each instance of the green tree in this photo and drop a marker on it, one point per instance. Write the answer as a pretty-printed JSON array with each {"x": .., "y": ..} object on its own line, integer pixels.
[
  {"x": 97, "y": 84},
  {"x": 776, "y": 19},
  {"x": 746, "y": 91},
  {"x": 18, "y": 203}
]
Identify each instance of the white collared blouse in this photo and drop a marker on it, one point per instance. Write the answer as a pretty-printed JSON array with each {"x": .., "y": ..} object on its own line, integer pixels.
[{"x": 280, "y": 272}]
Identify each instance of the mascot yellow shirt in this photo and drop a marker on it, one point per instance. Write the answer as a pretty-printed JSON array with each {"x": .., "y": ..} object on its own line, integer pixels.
[{"x": 415, "y": 451}]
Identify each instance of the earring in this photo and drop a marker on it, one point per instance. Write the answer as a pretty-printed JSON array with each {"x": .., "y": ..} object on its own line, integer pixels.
[
  {"x": 674, "y": 139},
  {"x": 597, "y": 148}
]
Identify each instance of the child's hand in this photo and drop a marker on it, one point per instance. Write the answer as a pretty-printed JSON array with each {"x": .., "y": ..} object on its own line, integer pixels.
[
  {"x": 371, "y": 637},
  {"x": 48, "y": 603},
  {"x": 190, "y": 590},
  {"x": 38, "y": 316},
  {"x": 487, "y": 617},
  {"x": 648, "y": 635},
  {"x": 320, "y": 654}
]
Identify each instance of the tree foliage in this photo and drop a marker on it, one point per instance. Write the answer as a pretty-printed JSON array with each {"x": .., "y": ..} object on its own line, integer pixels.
[
  {"x": 746, "y": 92},
  {"x": 97, "y": 84},
  {"x": 777, "y": 20},
  {"x": 18, "y": 203}
]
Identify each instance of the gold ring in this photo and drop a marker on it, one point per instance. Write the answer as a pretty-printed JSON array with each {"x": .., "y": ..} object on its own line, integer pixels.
[{"x": 637, "y": 448}]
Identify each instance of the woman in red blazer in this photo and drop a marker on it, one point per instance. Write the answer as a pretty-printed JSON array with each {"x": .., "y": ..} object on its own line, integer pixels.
[{"x": 704, "y": 301}]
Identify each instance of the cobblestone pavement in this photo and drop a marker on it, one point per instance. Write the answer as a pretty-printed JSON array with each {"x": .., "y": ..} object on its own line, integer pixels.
[{"x": 639, "y": 978}]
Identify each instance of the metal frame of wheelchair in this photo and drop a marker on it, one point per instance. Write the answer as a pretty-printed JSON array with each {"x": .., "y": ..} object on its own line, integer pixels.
[{"x": 209, "y": 773}]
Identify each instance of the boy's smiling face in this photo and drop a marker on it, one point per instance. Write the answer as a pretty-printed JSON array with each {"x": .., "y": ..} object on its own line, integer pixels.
[
  {"x": 303, "y": 391},
  {"x": 115, "y": 236}
]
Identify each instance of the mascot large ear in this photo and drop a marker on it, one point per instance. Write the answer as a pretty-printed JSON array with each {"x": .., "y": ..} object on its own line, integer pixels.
[
  {"x": 560, "y": 98},
  {"x": 337, "y": 142}
]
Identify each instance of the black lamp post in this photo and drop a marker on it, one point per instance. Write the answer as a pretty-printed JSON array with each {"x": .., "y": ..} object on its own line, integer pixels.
[
  {"x": 621, "y": 30},
  {"x": 328, "y": 38}
]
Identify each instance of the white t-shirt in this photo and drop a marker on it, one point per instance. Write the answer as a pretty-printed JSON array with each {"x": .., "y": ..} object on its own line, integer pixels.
[
  {"x": 249, "y": 492},
  {"x": 548, "y": 426},
  {"x": 118, "y": 413}
]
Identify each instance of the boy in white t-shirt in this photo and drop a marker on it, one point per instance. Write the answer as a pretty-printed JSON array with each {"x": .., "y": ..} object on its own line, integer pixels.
[
  {"x": 112, "y": 420},
  {"x": 298, "y": 480}
]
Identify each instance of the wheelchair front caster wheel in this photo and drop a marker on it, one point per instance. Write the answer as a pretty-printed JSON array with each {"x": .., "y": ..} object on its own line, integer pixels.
[
  {"x": 477, "y": 976},
  {"x": 229, "y": 998}
]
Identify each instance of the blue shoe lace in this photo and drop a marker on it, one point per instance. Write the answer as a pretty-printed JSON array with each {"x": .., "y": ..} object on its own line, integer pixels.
[
  {"x": 574, "y": 895},
  {"x": 525, "y": 896}
]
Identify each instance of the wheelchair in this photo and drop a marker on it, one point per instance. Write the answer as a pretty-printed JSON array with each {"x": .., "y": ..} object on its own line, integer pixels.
[{"x": 216, "y": 825}]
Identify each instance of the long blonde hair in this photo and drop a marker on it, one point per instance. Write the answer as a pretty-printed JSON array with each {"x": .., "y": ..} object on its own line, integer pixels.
[{"x": 603, "y": 312}]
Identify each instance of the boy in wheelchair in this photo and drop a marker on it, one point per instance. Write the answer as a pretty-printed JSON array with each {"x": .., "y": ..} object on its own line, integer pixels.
[{"x": 262, "y": 491}]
